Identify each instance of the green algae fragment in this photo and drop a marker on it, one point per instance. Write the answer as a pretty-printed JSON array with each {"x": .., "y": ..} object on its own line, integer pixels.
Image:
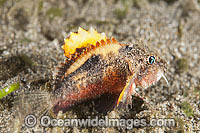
[
  {"x": 197, "y": 90},
  {"x": 54, "y": 12},
  {"x": 2, "y": 2},
  {"x": 187, "y": 108},
  {"x": 26, "y": 40},
  {"x": 40, "y": 5},
  {"x": 180, "y": 122},
  {"x": 7, "y": 90},
  {"x": 186, "y": 92},
  {"x": 120, "y": 13},
  {"x": 181, "y": 65},
  {"x": 27, "y": 60}
]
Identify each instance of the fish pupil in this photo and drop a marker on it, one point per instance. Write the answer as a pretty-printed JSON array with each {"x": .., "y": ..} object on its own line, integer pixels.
[{"x": 151, "y": 59}]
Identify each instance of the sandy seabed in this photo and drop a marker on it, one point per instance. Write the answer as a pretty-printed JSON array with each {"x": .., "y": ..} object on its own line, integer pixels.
[{"x": 32, "y": 33}]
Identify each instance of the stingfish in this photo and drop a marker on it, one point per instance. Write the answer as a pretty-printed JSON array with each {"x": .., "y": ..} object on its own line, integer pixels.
[{"x": 96, "y": 66}]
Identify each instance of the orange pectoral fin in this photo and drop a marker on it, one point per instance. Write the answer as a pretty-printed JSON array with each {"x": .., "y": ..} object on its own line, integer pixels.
[
  {"x": 121, "y": 95},
  {"x": 125, "y": 96}
]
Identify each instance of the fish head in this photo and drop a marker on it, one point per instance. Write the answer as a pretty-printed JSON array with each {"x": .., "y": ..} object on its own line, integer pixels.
[{"x": 146, "y": 65}]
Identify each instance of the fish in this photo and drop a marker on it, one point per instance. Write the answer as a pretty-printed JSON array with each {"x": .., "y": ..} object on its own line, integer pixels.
[{"x": 96, "y": 66}]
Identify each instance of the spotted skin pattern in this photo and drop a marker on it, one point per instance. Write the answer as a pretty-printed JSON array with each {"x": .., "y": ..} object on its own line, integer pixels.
[{"x": 106, "y": 68}]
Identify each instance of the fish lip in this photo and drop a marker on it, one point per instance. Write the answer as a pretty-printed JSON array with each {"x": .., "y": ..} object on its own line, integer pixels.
[{"x": 161, "y": 75}]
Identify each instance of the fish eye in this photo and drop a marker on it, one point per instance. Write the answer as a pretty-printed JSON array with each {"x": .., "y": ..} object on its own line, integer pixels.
[{"x": 152, "y": 59}]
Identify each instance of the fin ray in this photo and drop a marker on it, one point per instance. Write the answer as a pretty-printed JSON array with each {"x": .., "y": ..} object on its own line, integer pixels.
[{"x": 81, "y": 39}]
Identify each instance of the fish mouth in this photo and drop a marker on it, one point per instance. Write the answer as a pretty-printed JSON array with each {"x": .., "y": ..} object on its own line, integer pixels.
[
  {"x": 161, "y": 75},
  {"x": 151, "y": 79}
]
